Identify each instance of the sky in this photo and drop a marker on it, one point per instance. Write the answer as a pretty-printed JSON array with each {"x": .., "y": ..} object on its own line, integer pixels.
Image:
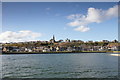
[{"x": 27, "y": 21}]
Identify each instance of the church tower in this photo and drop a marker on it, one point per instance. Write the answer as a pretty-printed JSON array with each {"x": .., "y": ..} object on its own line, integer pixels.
[{"x": 53, "y": 37}]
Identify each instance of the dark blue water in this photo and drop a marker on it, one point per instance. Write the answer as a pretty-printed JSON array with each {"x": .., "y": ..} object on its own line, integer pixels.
[{"x": 77, "y": 65}]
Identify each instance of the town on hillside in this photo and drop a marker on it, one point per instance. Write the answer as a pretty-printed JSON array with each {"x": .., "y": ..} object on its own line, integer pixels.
[{"x": 60, "y": 46}]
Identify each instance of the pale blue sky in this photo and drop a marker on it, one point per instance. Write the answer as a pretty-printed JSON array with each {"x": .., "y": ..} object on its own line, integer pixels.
[{"x": 50, "y": 18}]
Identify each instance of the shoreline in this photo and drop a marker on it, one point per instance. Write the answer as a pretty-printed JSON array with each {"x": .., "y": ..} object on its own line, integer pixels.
[{"x": 61, "y": 52}]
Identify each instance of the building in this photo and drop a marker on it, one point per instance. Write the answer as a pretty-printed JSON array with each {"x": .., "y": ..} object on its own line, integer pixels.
[
  {"x": 53, "y": 39},
  {"x": 67, "y": 40}
]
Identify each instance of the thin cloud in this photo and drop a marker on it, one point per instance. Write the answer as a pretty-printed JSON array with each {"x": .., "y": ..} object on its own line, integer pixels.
[
  {"x": 57, "y": 14},
  {"x": 48, "y": 8},
  {"x": 82, "y": 29},
  {"x": 81, "y": 22}
]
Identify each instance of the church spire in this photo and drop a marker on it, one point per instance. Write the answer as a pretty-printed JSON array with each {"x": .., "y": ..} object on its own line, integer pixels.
[{"x": 53, "y": 37}]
